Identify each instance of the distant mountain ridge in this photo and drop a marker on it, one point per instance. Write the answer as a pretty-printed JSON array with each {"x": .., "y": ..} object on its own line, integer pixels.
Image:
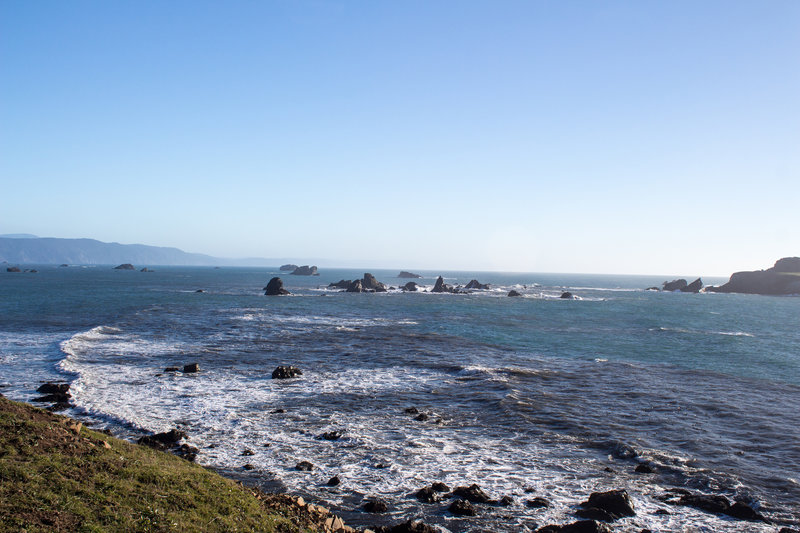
[{"x": 46, "y": 250}]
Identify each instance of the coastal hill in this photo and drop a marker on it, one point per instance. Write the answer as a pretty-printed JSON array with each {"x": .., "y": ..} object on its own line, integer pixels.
[
  {"x": 29, "y": 249},
  {"x": 781, "y": 279}
]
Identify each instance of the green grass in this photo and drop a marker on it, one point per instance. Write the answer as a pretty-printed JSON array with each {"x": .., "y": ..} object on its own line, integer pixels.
[{"x": 53, "y": 478}]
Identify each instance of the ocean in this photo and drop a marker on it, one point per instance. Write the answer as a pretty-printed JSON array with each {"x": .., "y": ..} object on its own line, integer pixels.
[{"x": 536, "y": 396}]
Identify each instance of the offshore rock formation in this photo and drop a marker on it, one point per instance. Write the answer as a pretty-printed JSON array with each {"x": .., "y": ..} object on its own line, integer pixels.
[
  {"x": 275, "y": 288},
  {"x": 404, "y": 274},
  {"x": 440, "y": 286},
  {"x": 682, "y": 285},
  {"x": 781, "y": 279},
  {"x": 366, "y": 284},
  {"x": 125, "y": 266},
  {"x": 475, "y": 284},
  {"x": 305, "y": 270},
  {"x": 288, "y": 268}
]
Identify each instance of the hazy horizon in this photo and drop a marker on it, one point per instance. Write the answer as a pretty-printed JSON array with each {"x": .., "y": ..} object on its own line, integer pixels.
[{"x": 609, "y": 138}]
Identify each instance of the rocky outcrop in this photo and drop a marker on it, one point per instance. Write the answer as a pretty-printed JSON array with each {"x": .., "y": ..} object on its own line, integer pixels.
[
  {"x": 366, "y": 284},
  {"x": 145, "y": 269},
  {"x": 286, "y": 372},
  {"x": 371, "y": 284},
  {"x": 566, "y": 295},
  {"x": 440, "y": 286},
  {"x": 305, "y": 270},
  {"x": 13, "y": 269},
  {"x": 512, "y": 292},
  {"x": 53, "y": 388},
  {"x": 162, "y": 441},
  {"x": 462, "y": 508},
  {"x": 475, "y": 284},
  {"x": 675, "y": 285},
  {"x": 581, "y": 526},
  {"x": 404, "y": 274},
  {"x": 125, "y": 266},
  {"x": 607, "y": 506},
  {"x": 713, "y": 503},
  {"x": 376, "y": 505},
  {"x": 341, "y": 284},
  {"x": 355, "y": 286},
  {"x": 781, "y": 279},
  {"x": 191, "y": 368},
  {"x": 472, "y": 493},
  {"x": 288, "y": 268},
  {"x": 410, "y": 287},
  {"x": 275, "y": 288}
]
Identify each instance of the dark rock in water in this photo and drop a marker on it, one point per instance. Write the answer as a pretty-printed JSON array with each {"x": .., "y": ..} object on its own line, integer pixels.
[
  {"x": 370, "y": 283},
  {"x": 63, "y": 265},
  {"x": 788, "y": 530},
  {"x": 275, "y": 288},
  {"x": 247, "y": 452},
  {"x": 404, "y": 274},
  {"x": 145, "y": 269},
  {"x": 13, "y": 269},
  {"x": 781, "y": 279},
  {"x": 341, "y": 284},
  {"x": 513, "y": 293},
  {"x": 186, "y": 452},
  {"x": 705, "y": 502},
  {"x": 472, "y": 493},
  {"x": 56, "y": 397},
  {"x": 56, "y": 407},
  {"x": 53, "y": 388},
  {"x": 278, "y": 411},
  {"x": 376, "y": 505},
  {"x": 410, "y": 287},
  {"x": 355, "y": 286},
  {"x": 191, "y": 368},
  {"x": 566, "y": 295},
  {"x": 440, "y": 487},
  {"x": 411, "y": 410},
  {"x": 675, "y": 285},
  {"x": 163, "y": 440},
  {"x": 422, "y": 417},
  {"x": 428, "y": 495},
  {"x": 248, "y": 466},
  {"x": 593, "y": 513},
  {"x": 334, "y": 481},
  {"x": 537, "y": 503},
  {"x": 406, "y": 527},
  {"x": 305, "y": 270},
  {"x": 286, "y": 372},
  {"x": 332, "y": 435},
  {"x": 125, "y": 266},
  {"x": 694, "y": 286},
  {"x": 440, "y": 286},
  {"x": 475, "y": 284},
  {"x": 617, "y": 503},
  {"x": 288, "y": 267},
  {"x": 643, "y": 469},
  {"x": 171, "y": 369},
  {"x": 742, "y": 511},
  {"x": 462, "y": 508},
  {"x": 505, "y": 501},
  {"x": 199, "y": 290},
  {"x": 652, "y": 289},
  {"x": 304, "y": 466},
  {"x": 581, "y": 526}
]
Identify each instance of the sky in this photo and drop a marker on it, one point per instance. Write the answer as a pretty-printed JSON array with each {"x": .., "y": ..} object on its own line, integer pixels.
[{"x": 634, "y": 137}]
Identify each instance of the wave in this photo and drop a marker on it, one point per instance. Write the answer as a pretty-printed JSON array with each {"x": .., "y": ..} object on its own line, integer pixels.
[{"x": 688, "y": 331}]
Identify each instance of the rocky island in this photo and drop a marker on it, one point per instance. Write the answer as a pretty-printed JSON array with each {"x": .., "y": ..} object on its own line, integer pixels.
[
  {"x": 305, "y": 270},
  {"x": 781, "y": 279}
]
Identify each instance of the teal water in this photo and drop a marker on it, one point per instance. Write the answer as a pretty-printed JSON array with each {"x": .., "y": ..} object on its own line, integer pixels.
[{"x": 534, "y": 392}]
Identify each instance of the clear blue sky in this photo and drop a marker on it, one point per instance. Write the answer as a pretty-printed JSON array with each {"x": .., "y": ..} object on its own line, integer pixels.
[{"x": 618, "y": 137}]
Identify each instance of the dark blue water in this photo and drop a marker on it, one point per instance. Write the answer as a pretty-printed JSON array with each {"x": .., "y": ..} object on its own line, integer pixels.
[{"x": 534, "y": 393}]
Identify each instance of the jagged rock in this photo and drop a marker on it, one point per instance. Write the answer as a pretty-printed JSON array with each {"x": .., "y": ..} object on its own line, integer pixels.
[
  {"x": 53, "y": 388},
  {"x": 742, "y": 511},
  {"x": 581, "y": 526},
  {"x": 462, "y": 508},
  {"x": 341, "y": 284},
  {"x": 566, "y": 295},
  {"x": 304, "y": 466},
  {"x": 248, "y": 452},
  {"x": 440, "y": 286},
  {"x": 59, "y": 406},
  {"x": 404, "y": 274},
  {"x": 513, "y": 293},
  {"x": 695, "y": 286},
  {"x": 472, "y": 493},
  {"x": 617, "y": 503},
  {"x": 781, "y": 279},
  {"x": 370, "y": 283},
  {"x": 376, "y": 505},
  {"x": 505, "y": 501},
  {"x": 162, "y": 440},
  {"x": 406, "y": 527},
  {"x": 125, "y": 266},
  {"x": 675, "y": 285},
  {"x": 286, "y": 372},
  {"x": 537, "y": 503},
  {"x": 275, "y": 288},
  {"x": 334, "y": 481},
  {"x": 288, "y": 268},
  {"x": 186, "y": 452},
  {"x": 355, "y": 286},
  {"x": 332, "y": 435},
  {"x": 191, "y": 368},
  {"x": 305, "y": 270},
  {"x": 440, "y": 487},
  {"x": 410, "y": 287},
  {"x": 428, "y": 495},
  {"x": 422, "y": 417},
  {"x": 475, "y": 284},
  {"x": 56, "y": 397},
  {"x": 248, "y": 466},
  {"x": 172, "y": 369},
  {"x": 411, "y": 410}
]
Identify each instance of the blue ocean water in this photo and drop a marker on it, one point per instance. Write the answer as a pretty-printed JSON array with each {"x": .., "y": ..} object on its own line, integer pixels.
[{"x": 530, "y": 396}]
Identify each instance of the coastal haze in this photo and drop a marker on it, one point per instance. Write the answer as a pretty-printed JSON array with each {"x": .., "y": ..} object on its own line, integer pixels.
[{"x": 355, "y": 252}]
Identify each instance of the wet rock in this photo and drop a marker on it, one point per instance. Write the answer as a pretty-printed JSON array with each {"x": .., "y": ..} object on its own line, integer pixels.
[
  {"x": 278, "y": 411},
  {"x": 53, "y": 388},
  {"x": 248, "y": 466},
  {"x": 375, "y": 505},
  {"x": 566, "y": 295},
  {"x": 462, "y": 508},
  {"x": 186, "y": 452},
  {"x": 286, "y": 372},
  {"x": 440, "y": 286},
  {"x": 191, "y": 368},
  {"x": 288, "y": 267},
  {"x": 332, "y": 435},
  {"x": 675, "y": 285},
  {"x": 411, "y": 410},
  {"x": 163, "y": 440},
  {"x": 694, "y": 286},
  {"x": 422, "y": 417},
  {"x": 334, "y": 481},
  {"x": 505, "y": 501},
  {"x": 475, "y": 284},
  {"x": 59, "y": 397},
  {"x": 172, "y": 369},
  {"x": 440, "y": 487},
  {"x": 513, "y": 293},
  {"x": 407, "y": 527},
  {"x": 305, "y": 270},
  {"x": 643, "y": 469},
  {"x": 404, "y": 274},
  {"x": 356, "y": 286},
  {"x": 125, "y": 266},
  {"x": 304, "y": 466},
  {"x": 472, "y": 493},
  {"x": 248, "y": 452},
  {"x": 743, "y": 511},
  {"x": 341, "y": 284},
  {"x": 617, "y": 503},
  {"x": 371, "y": 284},
  {"x": 275, "y": 288},
  {"x": 59, "y": 406},
  {"x": 537, "y": 503},
  {"x": 788, "y": 530},
  {"x": 593, "y": 513},
  {"x": 428, "y": 495},
  {"x": 410, "y": 287},
  {"x": 199, "y": 290},
  {"x": 13, "y": 269},
  {"x": 706, "y": 502},
  {"x": 581, "y": 526}
]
